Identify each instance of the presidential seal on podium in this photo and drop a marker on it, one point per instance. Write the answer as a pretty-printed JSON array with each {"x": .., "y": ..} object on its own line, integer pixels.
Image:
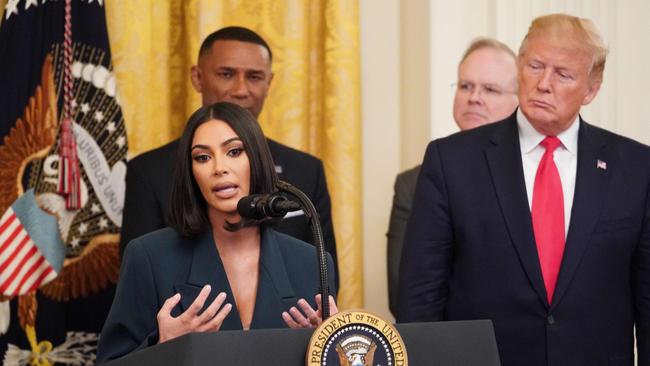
[{"x": 356, "y": 338}]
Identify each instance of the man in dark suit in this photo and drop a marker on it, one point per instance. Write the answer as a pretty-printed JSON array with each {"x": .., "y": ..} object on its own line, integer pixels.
[
  {"x": 234, "y": 65},
  {"x": 540, "y": 222},
  {"x": 486, "y": 92}
]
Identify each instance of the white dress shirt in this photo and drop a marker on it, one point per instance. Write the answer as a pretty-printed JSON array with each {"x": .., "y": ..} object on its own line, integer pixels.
[{"x": 565, "y": 158}]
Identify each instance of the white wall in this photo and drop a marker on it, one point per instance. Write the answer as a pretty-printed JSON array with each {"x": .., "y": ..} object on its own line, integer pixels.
[
  {"x": 415, "y": 75},
  {"x": 380, "y": 118}
]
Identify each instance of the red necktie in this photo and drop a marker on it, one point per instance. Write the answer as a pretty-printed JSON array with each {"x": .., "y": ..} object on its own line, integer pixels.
[{"x": 548, "y": 216}]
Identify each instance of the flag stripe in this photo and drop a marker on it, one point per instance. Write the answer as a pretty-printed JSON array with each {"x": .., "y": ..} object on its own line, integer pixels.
[
  {"x": 31, "y": 274},
  {"x": 16, "y": 254},
  {"x": 10, "y": 246},
  {"x": 9, "y": 220},
  {"x": 13, "y": 248},
  {"x": 9, "y": 237},
  {"x": 34, "y": 275},
  {"x": 15, "y": 272},
  {"x": 26, "y": 269},
  {"x": 46, "y": 276}
]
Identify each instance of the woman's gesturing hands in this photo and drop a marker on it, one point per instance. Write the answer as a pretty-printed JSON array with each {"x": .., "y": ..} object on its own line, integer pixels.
[
  {"x": 192, "y": 320},
  {"x": 308, "y": 317},
  {"x": 210, "y": 319}
]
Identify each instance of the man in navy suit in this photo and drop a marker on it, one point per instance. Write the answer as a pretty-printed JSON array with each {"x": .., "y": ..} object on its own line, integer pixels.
[
  {"x": 540, "y": 222},
  {"x": 234, "y": 65}
]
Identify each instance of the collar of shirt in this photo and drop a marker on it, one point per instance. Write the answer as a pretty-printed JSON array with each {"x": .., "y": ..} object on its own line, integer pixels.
[{"x": 530, "y": 138}]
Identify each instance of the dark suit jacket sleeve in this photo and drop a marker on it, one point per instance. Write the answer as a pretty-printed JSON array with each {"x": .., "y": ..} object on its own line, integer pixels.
[
  {"x": 399, "y": 215},
  {"x": 427, "y": 254},
  {"x": 323, "y": 206},
  {"x": 642, "y": 290},
  {"x": 131, "y": 324},
  {"x": 142, "y": 212}
]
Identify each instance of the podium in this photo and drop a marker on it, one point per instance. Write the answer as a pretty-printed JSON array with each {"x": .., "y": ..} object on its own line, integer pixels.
[{"x": 450, "y": 343}]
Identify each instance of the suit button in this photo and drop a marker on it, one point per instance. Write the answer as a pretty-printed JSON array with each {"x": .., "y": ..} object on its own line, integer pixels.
[{"x": 550, "y": 320}]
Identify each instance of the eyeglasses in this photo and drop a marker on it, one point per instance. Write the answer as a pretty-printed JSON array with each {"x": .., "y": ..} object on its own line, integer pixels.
[{"x": 486, "y": 90}]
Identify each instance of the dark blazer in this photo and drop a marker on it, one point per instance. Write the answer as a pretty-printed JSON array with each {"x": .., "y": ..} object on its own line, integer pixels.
[
  {"x": 160, "y": 264},
  {"x": 149, "y": 186},
  {"x": 399, "y": 215},
  {"x": 470, "y": 250}
]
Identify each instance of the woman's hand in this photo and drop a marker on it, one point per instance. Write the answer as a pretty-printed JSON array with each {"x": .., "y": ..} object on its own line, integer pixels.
[
  {"x": 308, "y": 317},
  {"x": 191, "y": 321}
]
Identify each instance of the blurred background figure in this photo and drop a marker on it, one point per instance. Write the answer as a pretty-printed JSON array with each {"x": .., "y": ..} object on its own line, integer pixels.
[{"x": 485, "y": 93}]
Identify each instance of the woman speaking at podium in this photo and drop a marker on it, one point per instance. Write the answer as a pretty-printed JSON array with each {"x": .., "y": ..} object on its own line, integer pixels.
[{"x": 211, "y": 269}]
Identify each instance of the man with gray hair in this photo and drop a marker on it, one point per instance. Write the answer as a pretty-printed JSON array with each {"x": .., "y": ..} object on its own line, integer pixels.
[
  {"x": 485, "y": 93},
  {"x": 540, "y": 222}
]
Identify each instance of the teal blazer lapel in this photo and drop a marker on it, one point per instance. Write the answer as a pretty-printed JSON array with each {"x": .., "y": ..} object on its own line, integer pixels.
[
  {"x": 207, "y": 268},
  {"x": 275, "y": 293}
]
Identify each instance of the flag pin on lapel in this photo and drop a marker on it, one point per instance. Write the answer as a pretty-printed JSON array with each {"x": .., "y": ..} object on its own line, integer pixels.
[{"x": 601, "y": 164}]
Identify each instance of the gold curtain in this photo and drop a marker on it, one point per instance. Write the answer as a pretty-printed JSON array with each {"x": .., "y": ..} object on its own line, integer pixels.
[{"x": 313, "y": 104}]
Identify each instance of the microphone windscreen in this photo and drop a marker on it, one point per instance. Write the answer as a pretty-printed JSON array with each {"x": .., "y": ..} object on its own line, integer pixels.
[
  {"x": 278, "y": 206},
  {"x": 246, "y": 207}
]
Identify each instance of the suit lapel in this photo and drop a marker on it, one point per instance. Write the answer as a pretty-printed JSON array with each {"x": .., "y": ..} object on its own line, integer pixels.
[
  {"x": 591, "y": 186},
  {"x": 274, "y": 290},
  {"x": 506, "y": 169},
  {"x": 207, "y": 268}
]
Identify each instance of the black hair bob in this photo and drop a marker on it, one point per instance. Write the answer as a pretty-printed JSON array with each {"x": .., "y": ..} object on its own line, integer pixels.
[{"x": 188, "y": 209}]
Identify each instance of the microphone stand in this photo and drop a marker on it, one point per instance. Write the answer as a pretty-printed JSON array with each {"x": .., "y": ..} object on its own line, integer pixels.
[{"x": 317, "y": 232}]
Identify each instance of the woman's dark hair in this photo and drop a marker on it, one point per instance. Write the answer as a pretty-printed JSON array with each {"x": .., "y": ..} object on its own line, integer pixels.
[{"x": 188, "y": 209}]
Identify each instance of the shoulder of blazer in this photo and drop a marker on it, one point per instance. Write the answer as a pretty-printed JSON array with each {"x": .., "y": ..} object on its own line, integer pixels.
[
  {"x": 164, "y": 242},
  {"x": 289, "y": 244},
  {"x": 295, "y": 252},
  {"x": 475, "y": 141},
  {"x": 288, "y": 156},
  {"x": 408, "y": 178},
  {"x": 610, "y": 138},
  {"x": 298, "y": 256}
]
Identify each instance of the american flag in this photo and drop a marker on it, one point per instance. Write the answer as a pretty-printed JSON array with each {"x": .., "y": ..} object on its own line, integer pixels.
[{"x": 24, "y": 264}]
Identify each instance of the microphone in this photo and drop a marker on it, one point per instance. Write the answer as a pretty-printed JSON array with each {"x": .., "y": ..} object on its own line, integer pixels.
[
  {"x": 317, "y": 232},
  {"x": 261, "y": 206}
]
